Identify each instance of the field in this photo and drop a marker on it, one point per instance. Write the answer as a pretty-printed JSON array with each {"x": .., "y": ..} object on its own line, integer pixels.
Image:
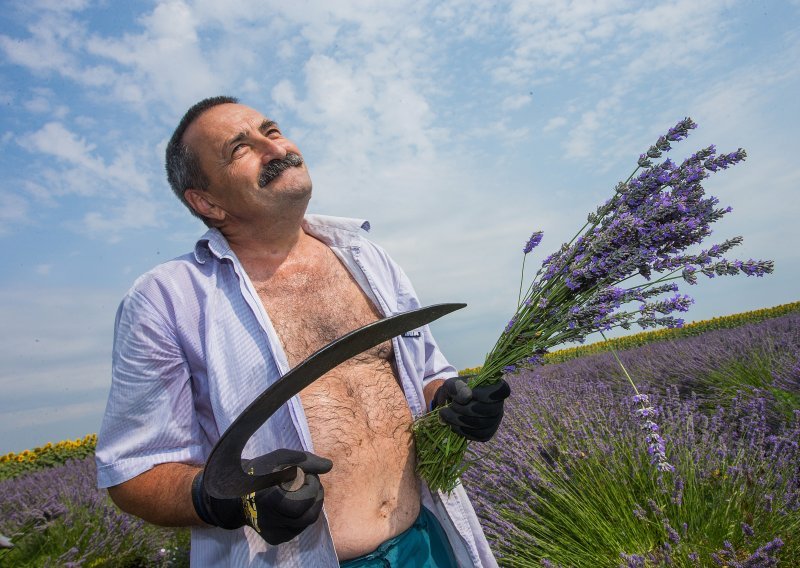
[{"x": 567, "y": 481}]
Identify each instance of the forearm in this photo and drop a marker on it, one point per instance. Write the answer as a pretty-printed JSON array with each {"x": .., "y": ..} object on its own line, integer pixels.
[{"x": 162, "y": 495}]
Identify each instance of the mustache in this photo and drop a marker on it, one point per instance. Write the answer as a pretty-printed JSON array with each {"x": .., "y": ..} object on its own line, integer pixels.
[{"x": 274, "y": 168}]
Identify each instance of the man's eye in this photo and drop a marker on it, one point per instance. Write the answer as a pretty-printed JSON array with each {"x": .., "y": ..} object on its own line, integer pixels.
[{"x": 238, "y": 149}]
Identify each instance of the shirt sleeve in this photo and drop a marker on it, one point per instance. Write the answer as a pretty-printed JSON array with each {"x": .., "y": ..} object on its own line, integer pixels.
[
  {"x": 150, "y": 415},
  {"x": 436, "y": 365}
]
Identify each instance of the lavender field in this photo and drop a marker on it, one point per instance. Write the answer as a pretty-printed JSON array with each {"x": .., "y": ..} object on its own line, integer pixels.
[
  {"x": 568, "y": 480},
  {"x": 57, "y": 517}
]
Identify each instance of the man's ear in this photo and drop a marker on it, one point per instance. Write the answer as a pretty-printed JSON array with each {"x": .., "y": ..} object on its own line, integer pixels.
[{"x": 203, "y": 204}]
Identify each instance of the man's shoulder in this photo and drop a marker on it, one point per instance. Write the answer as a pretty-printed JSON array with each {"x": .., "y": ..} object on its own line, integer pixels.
[{"x": 172, "y": 276}]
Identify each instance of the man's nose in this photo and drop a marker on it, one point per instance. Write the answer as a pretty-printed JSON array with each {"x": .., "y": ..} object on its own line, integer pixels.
[{"x": 270, "y": 149}]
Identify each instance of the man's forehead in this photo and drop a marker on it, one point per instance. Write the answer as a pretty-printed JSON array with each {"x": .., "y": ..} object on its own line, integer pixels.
[{"x": 220, "y": 122}]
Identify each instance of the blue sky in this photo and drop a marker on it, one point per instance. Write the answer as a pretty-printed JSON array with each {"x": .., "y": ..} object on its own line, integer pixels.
[{"x": 457, "y": 128}]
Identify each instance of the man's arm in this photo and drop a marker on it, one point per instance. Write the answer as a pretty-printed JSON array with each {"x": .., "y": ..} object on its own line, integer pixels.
[
  {"x": 161, "y": 495},
  {"x": 430, "y": 390},
  {"x": 172, "y": 494}
]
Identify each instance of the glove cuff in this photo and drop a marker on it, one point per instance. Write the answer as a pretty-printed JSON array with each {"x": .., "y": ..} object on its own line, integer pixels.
[
  {"x": 223, "y": 513},
  {"x": 439, "y": 398}
]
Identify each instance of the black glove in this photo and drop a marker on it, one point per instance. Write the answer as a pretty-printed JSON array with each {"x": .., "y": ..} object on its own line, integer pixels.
[
  {"x": 473, "y": 413},
  {"x": 276, "y": 514}
]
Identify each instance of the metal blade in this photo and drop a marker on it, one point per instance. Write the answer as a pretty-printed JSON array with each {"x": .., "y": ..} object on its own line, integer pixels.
[{"x": 224, "y": 476}]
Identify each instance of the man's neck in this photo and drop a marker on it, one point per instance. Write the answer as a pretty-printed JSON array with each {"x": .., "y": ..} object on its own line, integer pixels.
[{"x": 264, "y": 248}]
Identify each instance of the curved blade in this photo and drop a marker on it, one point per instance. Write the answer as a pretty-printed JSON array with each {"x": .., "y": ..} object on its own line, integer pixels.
[{"x": 224, "y": 476}]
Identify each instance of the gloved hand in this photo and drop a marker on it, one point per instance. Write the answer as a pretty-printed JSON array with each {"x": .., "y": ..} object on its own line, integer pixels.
[
  {"x": 473, "y": 413},
  {"x": 276, "y": 514}
]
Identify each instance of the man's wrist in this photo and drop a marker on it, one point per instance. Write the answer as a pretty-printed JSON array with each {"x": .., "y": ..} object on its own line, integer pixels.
[{"x": 429, "y": 391}]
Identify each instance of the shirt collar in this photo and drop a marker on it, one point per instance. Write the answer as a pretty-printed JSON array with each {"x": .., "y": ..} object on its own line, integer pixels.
[{"x": 333, "y": 231}]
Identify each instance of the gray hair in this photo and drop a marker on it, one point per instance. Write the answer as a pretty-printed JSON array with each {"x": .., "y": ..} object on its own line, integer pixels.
[{"x": 182, "y": 163}]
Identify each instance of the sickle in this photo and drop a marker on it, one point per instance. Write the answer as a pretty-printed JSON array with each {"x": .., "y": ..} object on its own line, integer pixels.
[{"x": 224, "y": 476}]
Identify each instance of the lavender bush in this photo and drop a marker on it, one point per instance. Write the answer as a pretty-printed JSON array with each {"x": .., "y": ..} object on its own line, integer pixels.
[
  {"x": 567, "y": 481},
  {"x": 715, "y": 367},
  {"x": 57, "y": 517},
  {"x": 646, "y": 230}
]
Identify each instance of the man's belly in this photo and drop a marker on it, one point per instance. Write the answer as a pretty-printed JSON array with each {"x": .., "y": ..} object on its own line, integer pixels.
[{"x": 358, "y": 418}]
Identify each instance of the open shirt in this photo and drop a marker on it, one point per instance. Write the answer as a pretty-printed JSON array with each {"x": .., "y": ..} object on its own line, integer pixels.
[{"x": 194, "y": 346}]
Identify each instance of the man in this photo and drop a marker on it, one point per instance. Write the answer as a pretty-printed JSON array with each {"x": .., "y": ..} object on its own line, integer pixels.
[{"x": 198, "y": 338}]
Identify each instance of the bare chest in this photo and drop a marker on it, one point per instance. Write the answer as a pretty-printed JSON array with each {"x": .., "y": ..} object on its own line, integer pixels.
[
  {"x": 311, "y": 307},
  {"x": 357, "y": 413}
]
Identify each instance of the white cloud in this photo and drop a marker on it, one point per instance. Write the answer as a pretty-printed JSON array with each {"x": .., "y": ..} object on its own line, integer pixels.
[
  {"x": 45, "y": 50},
  {"x": 119, "y": 187},
  {"x": 582, "y": 138},
  {"x": 516, "y": 102},
  {"x": 54, "y": 139},
  {"x": 134, "y": 213},
  {"x": 166, "y": 58},
  {"x": 559, "y": 36},
  {"x": 284, "y": 95},
  {"x": 90, "y": 171},
  {"x": 37, "y": 104},
  {"x": 39, "y": 193},
  {"x": 554, "y": 123},
  {"x": 616, "y": 52},
  {"x": 13, "y": 211}
]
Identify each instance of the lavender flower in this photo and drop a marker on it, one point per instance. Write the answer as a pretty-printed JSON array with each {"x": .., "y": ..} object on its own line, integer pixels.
[
  {"x": 569, "y": 445},
  {"x": 643, "y": 231},
  {"x": 533, "y": 242},
  {"x": 64, "y": 502}
]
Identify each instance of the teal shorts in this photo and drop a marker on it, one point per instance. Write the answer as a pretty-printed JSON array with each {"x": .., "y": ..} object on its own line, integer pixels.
[{"x": 423, "y": 545}]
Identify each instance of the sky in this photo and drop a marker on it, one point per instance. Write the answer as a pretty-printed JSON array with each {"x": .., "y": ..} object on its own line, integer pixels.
[{"x": 456, "y": 128}]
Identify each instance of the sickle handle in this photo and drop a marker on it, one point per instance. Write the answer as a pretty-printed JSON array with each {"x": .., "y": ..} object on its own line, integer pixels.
[{"x": 296, "y": 483}]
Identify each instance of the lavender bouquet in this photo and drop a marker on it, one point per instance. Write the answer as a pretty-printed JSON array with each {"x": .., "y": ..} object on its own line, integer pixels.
[{"x": 645, "y": 230}]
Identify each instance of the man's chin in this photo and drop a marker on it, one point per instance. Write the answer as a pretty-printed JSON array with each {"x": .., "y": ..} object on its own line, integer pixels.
[{"x": 290, "y": 186}]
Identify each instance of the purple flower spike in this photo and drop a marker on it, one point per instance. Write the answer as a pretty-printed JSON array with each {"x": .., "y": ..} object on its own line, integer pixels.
[
  {"x": 533, "y": 242},
  {"x": 630, "y": 254}
]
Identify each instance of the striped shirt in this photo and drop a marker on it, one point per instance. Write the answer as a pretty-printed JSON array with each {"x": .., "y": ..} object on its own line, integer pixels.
[{"x": 193, "y": 346}]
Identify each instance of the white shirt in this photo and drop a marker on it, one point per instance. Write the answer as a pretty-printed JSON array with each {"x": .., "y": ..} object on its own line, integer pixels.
[{"x": 193, "y": 346}]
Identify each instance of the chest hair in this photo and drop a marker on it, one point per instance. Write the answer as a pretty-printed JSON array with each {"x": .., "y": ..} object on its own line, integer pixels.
[{"x": 314, "y": 304}]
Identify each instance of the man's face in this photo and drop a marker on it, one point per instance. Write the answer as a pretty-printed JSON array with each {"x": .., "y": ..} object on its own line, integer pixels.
[{"x": 251, "y": 167}]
